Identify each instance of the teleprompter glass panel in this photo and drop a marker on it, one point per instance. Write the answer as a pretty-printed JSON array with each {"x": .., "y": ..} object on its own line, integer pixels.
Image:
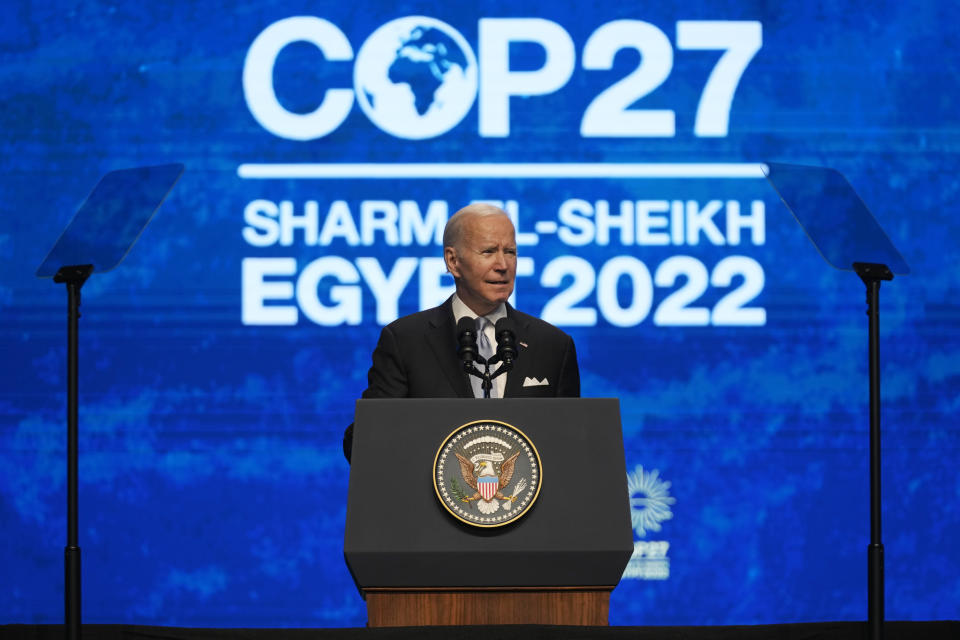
[
  {"x": 834, "y": 217},
  {"x": 111, "y": 219}
]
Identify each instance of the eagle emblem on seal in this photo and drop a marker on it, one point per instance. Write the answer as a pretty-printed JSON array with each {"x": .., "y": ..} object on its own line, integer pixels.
[
  {"x": 481, "y": 475},
  {"x": 487, "y": 473}
]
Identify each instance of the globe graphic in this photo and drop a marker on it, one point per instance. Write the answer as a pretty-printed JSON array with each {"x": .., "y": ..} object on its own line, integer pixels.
[{"x": 415, "y": 77}]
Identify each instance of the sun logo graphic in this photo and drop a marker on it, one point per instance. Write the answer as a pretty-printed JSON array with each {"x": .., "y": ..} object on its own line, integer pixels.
[
  {"x": 650, "y": 503},
  {"x": 649, "y": 500}
]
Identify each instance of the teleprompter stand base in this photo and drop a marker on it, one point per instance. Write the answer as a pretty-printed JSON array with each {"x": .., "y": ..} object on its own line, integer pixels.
[{"x": 448, "y": 606}]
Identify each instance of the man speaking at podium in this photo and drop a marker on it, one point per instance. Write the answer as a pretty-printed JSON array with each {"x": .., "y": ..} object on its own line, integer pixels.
[{"x": 417, "y": 355}]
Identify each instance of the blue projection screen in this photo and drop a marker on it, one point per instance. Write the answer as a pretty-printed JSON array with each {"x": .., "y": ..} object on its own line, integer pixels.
[{"x": 325, "y": 145}]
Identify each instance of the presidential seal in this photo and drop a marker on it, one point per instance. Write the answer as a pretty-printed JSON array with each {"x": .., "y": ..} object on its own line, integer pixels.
[{"x": 487, "y": 473}]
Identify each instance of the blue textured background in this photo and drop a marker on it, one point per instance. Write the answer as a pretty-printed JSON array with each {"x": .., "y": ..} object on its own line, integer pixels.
[{"x": 213, "y": 487}]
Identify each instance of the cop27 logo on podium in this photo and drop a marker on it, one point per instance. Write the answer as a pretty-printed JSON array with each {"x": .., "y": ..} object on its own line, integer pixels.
[{"x": 417, "y": 77}]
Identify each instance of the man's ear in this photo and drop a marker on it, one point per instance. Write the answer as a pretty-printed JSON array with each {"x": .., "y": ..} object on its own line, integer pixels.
[{"x": 450, "y": 257}]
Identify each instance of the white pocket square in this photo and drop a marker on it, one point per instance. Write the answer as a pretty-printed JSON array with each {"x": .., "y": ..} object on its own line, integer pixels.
[{"x": 533, "y": 382}]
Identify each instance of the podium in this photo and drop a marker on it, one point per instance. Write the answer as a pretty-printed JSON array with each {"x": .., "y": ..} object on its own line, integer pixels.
[{"x": 416, "y": 564}]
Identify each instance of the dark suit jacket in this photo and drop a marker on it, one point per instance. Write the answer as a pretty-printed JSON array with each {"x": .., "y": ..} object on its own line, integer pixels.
[{"x": 416, "y": 357}]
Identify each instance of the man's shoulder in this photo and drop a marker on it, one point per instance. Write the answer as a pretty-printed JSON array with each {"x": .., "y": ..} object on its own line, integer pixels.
[
  {"x": 535, "y": 324},
  {"x": 419, "y": 320}
]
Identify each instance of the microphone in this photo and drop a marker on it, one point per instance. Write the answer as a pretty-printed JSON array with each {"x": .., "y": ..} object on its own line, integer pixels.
[
  {"x": 505, "y": 330},
  {"x": 467, "y": 342}
]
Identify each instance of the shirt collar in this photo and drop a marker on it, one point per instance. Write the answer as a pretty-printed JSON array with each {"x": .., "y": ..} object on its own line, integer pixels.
[{"x": 461, "y": 310}]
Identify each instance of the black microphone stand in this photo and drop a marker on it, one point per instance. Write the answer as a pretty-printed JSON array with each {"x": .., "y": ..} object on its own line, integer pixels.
[
  {"x": 467, "y": 350},
  {"x": 485, "y": 376}
]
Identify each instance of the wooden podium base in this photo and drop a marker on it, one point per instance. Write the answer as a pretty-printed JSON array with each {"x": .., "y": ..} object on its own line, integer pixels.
[{"x": 399, "y": 607}]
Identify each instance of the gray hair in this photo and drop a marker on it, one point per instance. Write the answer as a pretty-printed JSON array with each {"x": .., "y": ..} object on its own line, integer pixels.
[{"x": 453, "y": 231}]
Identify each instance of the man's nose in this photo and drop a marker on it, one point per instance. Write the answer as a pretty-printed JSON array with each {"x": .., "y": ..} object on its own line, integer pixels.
[{"x": 501, "y": 262}]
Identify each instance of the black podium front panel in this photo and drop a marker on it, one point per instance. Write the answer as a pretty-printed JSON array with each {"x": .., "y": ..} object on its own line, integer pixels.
[{"x": 578, "y": 532}]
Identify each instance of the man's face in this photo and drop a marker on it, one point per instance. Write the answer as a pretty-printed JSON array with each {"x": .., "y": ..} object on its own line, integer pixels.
[{"x": 484, "y": 262}]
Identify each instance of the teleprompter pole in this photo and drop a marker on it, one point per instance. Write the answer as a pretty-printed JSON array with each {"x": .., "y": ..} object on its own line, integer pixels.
[
  {"x": 872, "y": 275},
  {"x": 73, "y": 277}
]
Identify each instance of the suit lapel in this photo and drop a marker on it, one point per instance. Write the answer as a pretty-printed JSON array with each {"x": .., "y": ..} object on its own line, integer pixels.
[
  {"x": 525, "y": 356},
  {"x": 442, "y": 338}
]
